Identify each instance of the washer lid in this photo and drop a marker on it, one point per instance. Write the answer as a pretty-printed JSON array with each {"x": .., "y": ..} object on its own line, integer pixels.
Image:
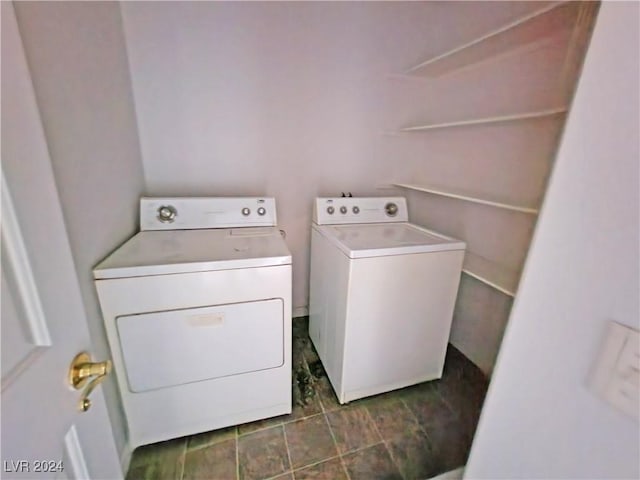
[
  {"x": 184, "y": 251},
  {"x": 381, "y": 239}
]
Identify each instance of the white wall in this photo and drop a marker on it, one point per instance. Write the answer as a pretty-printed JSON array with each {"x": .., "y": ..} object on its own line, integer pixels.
[
  {"x": 77, "y": 59},
  {"x": 288, "y": 99},
  {"x": 539, "y": 419}
]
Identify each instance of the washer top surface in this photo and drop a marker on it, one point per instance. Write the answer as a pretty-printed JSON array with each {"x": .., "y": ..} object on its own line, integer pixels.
[
  {"x": 185, "y": 251},
  {"x": 375, "y": 226},
  {"x": 383, "y": 239}
]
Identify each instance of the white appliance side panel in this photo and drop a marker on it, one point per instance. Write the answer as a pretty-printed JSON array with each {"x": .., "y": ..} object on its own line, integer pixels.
[
  {"x": 399, "y": 317},
  {"x": 328, "y": 305},
  {"x": 317, "y": 295},
  {"x": 163, "y": 349}
]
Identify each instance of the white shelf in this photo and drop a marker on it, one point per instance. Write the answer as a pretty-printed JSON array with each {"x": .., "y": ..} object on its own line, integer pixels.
[
  {"x": 487, "y": 120},
  {"x": 490, "y": 273},
  {"x": 529, "y": 29},
  {"x": 516, "y": 51},
  {"x": 459, "y": 195}
]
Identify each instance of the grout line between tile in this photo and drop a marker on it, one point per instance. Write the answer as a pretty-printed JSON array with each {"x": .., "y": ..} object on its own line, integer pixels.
[
  {"x": 324, "y": 410},
  {"x": 449, "y": 406},
  {"x": 184, "y": 460},
  {"x": 360, "y": 449},
  {"x": 340, "y": 405},
  {"x": 420, "y": 426},
  {"x": 357, "y": 450},
  {"x": 286, "y": 444},
  {"x": 210, "y": 444},
  {"x": 282, "y": 423},
  {"x": 413, "y": 415},
  {"x": 280, "y": 475},
  {"x": 259, "y": 429},
  {"x": 313, "y": 464},
  {"x": 339, "y": 455},
  {"x": 237, "y": 456},
  {"x": 335, "y": 443},
  {"x": 293, "y": 420},
  {"x": 384, "y": 442}
]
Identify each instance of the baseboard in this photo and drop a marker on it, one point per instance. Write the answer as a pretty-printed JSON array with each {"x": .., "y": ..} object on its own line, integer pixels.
[
  {"x": 456, "y": 474},
  {"x": 473, "y": 358},
  {"x": 300, "y": 311}
]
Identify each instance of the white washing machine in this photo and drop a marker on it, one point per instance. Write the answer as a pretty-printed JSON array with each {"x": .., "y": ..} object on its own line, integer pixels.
[
  {"x": 382, "y": 294},
  {"x": 197, "y": 308}
]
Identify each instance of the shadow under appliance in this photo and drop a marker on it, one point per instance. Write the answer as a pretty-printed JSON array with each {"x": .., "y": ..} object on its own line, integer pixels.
[
  {"x": 197, "y": 308},
  {"x": 382, "y": 293}
]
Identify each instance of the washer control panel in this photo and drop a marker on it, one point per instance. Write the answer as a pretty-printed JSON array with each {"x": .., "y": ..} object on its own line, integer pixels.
[
  {"x": 340, "y": 210},
  {"x": 185, "y": 213}
]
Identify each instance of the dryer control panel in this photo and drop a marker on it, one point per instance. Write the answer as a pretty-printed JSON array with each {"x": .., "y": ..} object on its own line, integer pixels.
[
  {"x": 188, "y": 213},
  {"x": 341, "y": 210}
]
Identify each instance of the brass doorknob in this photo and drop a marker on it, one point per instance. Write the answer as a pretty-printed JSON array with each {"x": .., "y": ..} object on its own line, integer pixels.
[{"x": 81, "y": 370}]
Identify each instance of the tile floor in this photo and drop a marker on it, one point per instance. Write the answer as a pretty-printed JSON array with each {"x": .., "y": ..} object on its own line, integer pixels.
[{"x": 413, "y": 433}]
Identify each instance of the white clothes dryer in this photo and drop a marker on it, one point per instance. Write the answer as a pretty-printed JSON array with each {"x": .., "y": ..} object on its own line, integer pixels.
[
  {"x": 197, "y": 309},
  {"x": 382, "y": 293}
]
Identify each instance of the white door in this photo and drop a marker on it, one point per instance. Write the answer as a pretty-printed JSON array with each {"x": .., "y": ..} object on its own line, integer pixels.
[{"x": 44, "y": 433}]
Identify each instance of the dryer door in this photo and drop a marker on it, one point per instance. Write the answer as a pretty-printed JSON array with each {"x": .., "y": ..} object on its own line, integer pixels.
[{"x": 164, "y": 349}]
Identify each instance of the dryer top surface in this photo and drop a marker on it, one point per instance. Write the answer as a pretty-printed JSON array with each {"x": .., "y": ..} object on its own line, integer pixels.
[{"x": 185, "y": 251}]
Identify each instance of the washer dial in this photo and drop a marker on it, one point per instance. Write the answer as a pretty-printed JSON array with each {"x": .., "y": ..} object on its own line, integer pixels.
[{"x": 391, "y": 209}]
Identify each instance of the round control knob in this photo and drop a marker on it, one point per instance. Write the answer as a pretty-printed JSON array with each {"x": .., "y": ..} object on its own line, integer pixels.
[
  {"x": 246, "y": 211},
  {"x": 356, "y": 210},
  {"x": 330, "y": 210},
  {"x": 343, "y": 209},
  {"x": 391, "y": 209},
  {"x": 261, "y": 211},
  {"x": 167, "y": 213}
]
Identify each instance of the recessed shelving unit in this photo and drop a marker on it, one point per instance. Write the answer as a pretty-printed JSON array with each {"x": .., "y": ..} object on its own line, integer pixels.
[
  {"x": 527, "y": 30},
  {"x": 491, "y": 273},
  {"x": 487, "y": 120},
  {"x": 460, "y": 195},
  {"x": 531, "y": 64}
]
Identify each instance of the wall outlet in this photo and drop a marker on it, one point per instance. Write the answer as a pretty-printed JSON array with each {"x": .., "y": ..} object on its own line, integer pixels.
[{"x": 616, "y": 373}]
